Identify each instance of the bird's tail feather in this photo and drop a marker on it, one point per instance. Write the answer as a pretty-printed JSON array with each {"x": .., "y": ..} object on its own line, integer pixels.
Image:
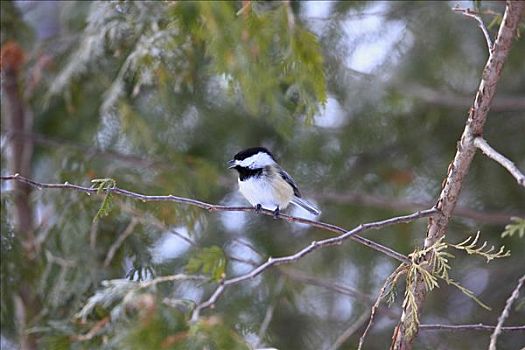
[{"x": 305, "y": 205}]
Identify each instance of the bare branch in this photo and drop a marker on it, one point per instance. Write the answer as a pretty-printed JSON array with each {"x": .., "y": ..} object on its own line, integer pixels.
[
  {"x": 490, "y": 152},
  {"x": 93, "y": 332},
  {"x": 146, "y": 218},
  {"x": 468, "y": 327},
  {"x": 376, "y": 306},
  {"x": 309, "y": 249},
  {"x": 505, "y": 314},
  {"x": 438, "y": 225},
  {"x": 354, "y": 327},
  {"x": 218, "y": 208},
  {"x": 343, "y": 234},
  {"x": 469, "y": 13},
  {"x": 300, "y": 276},
  {"x": 120, "y": 239},
  {"x": 364, "y": 298},
  {"x": 269, "y": 312},
  {"x": 171, "y": 278}
]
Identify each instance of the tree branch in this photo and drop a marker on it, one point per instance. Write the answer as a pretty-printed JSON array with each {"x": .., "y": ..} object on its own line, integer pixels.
[
  {"x": 469, "y": 13},
  {"x": 309, "y": 249},
  {"x": 468, "y": 327},
  {"x": 343, "y": 234},
  {"x": 490, "y": 152},
  {"x": 217, "y": 208},
  {"x": 375, "y": 307},
  {"x": 269, "y": 312},
  {"x": 458, "y": 169},
  {"x": 300, "y": 276},
  {"x": 505, "y": 313},
  {"x": 354, "y": 327},
  {"x": 120, "y": 239}
]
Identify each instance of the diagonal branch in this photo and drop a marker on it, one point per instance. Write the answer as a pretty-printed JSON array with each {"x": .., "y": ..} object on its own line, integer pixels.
[
  {"x": 469, "y": 13},
  {"x": 490, "y": 152},
  {"x": 468, "y": 327},
  {"x": 118, "y": 242},
  {"x": 438, "y": 225},
  {"x": 315, "y": 245},
  {"x": 505, "y": 314},
  {"x": 354, "y": 327}
]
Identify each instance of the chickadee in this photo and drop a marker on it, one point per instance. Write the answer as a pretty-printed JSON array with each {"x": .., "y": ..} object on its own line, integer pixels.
[{"x": 264, "y": 183}]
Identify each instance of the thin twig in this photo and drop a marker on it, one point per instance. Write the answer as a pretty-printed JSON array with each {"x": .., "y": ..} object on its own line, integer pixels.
[
  {"x": 490, "y": 152},
  {"x": 146, "y": 218},
  {"x": 302, "y": 277},
  {"x": 393, "y": 275},
  {"x": 243, "y": 261},
  {"x": 505, "y": 314},
  {"x": 118, "y": 242},
  {"x": 468, "y": 327},
  {"x": 354, "y": 327},
  {"x": 343, "y": 234},
  {"x": 249, "y": 245},
  {"x": 364, "y": 298},
  {"x": 171, "y": 278},
  {"x": 93, "y": 332},
  {"x": 218, "y": 208},
  {"x": 469, "y": 13},
  {"x": 269, "y": 312},
  {"x": 309, "y": 249}
]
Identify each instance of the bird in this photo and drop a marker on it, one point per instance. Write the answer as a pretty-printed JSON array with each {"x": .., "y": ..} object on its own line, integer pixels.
[{"x": 265, "y": 184}]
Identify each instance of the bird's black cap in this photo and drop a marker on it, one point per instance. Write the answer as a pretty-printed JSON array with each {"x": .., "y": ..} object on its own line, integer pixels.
[{"x": 251, "y": 151}]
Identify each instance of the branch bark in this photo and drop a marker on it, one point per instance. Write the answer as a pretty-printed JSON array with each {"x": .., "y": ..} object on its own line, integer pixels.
[
  {"x": 505, "y": 313},
  {"x": 467, "y": 12},
  {"x": 490, "y": 152},
  {"x": 458, "y": 169}
]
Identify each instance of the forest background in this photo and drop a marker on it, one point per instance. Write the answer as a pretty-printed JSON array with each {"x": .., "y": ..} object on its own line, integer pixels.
[{"x": 362, "y": 102}]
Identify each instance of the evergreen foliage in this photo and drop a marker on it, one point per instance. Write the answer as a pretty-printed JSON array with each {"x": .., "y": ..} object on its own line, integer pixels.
[{"x": 157, "y": 96}]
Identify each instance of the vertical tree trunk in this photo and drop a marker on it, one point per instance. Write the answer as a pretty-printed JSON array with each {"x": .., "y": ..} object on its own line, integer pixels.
[
  {"x": 458, "y": 169},
  {"x": 18, "y": 121}
]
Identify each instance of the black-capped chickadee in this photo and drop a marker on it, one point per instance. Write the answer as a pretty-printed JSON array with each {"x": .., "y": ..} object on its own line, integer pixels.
[{"x": 264, "y": 183}]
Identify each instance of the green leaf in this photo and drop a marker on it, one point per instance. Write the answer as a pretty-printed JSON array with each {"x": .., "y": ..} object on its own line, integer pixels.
[
  {"x": 517, "y": 227},
  {"x": 210, "y": 261},
  {"x": 104, "y": 185}
]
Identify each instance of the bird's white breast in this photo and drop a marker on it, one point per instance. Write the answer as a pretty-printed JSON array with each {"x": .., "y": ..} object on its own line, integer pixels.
[{"x": 259, "y": 191}]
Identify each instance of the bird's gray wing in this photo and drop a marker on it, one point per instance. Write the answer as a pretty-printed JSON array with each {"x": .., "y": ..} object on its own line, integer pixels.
[{"x": 289, "y": 179}]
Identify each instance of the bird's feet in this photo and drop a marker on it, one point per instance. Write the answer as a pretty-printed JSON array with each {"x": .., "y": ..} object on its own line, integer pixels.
[
  {"x": 258, "y": 208},
  {"x": 276, "y": 213}
]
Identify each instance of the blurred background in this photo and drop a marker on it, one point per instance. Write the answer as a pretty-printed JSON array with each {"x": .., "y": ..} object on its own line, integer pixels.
[{"x": 361, "y": 101}]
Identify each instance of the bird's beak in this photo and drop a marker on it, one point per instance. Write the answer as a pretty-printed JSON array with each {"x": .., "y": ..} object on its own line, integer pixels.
[{"x": 232, "y": 164}]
